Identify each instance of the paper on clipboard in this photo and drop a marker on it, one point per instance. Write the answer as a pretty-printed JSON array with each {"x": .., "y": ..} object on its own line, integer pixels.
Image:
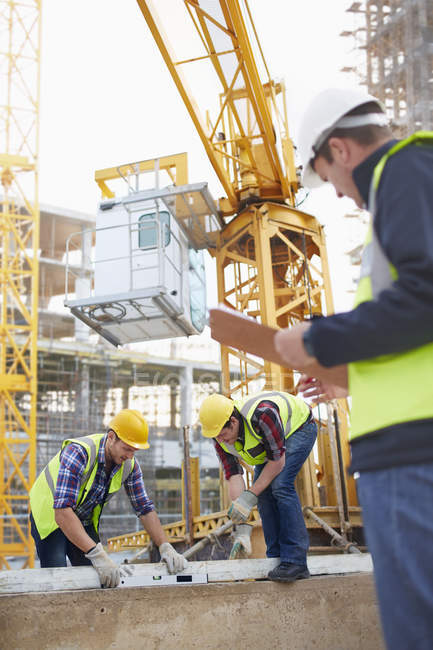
[{"x": 244, "y": 333}]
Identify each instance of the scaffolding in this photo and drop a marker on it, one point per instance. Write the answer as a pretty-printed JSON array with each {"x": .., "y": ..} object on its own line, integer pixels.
[{"x": 393, "y": 40}]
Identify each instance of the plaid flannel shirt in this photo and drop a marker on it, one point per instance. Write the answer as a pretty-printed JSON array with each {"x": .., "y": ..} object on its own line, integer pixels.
[
  {"x": 73, "y": 460},
  {"x": 266, "y": 422}
]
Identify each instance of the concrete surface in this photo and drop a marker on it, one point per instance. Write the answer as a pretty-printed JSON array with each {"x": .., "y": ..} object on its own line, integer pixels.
[{"x": 329, "y": 612}]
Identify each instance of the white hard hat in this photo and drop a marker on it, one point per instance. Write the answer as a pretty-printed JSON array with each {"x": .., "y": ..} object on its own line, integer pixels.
[{"x": 323, "y": 115}]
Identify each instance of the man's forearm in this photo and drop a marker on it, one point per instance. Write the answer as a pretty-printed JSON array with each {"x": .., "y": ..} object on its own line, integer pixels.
[
  {"x": 236, "y": 486},
  {"x": 72, "y": 527},
  {"x": 153, "y": 527},
  {"x": 373, "y": 329},
  {"x": 267, "y": 475}
]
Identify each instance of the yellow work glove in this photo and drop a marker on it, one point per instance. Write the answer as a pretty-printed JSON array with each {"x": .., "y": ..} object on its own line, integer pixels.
[
  {"x": 240, "y": 509},
  {"x": 241, "y": 542},
  {"x": 175, "y": 561},
  {"x": 108, "y": 571}
]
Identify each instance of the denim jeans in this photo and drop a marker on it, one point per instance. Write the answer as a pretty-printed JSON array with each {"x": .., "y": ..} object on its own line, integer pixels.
[
  {"x": 397, "y": 512},
  {"x": 283, "y": 523},
  {"x": 52, "y": 550}
]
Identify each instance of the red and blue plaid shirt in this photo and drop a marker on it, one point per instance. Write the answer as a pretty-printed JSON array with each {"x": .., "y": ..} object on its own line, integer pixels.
[
  {"x": 73, "y": 460},
  {"x": 266, "y": 422}
]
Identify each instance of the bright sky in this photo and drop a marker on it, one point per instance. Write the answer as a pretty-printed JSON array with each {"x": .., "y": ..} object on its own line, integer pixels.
[{"x": 107, "y": 98}]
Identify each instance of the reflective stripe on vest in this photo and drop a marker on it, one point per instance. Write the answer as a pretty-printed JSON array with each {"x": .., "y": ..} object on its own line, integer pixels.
[
  {"x": 391, "y": 388},
  {"x": 43, "y": 490},
  {"x": 293, "y": 412}
]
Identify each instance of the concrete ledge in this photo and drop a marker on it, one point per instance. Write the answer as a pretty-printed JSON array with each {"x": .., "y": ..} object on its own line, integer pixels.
[
  {"x": 326, "y": 612},
  {"x": 85, "y": 577}
]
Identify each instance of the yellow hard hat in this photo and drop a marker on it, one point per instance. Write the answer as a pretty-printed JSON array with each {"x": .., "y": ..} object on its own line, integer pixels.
[
  {"x": 131, "y": 427},
  {"x": 215, "y": 411}
]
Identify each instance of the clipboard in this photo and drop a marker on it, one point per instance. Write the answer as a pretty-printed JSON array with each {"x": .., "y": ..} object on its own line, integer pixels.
[{"x": 244, "y": 333}]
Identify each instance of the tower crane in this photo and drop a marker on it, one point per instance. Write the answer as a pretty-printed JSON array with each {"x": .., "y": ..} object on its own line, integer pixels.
[
  {"x": 270, "y": 256},
  {"x": 19, "y": 242}
]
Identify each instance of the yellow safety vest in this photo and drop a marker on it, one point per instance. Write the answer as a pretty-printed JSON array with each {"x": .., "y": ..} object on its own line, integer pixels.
[
  {"x": 44, "y": 488},
  {"x": 392, "y": 388},
  {"x": 293, "y": 412}
]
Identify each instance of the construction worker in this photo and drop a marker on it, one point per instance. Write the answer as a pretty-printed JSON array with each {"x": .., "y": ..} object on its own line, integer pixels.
[
  {"x": 67, "y": 498},
  {"x": 274, "y": 432},
  {"x": 381, "y": 352}
]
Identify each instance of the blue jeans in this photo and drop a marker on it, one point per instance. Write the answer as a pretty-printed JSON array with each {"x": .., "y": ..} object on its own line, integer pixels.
[
  {"x": 52, "y": 550},
  {"x": 283, "y": 523},
  {"x": 397, "y": 513}
]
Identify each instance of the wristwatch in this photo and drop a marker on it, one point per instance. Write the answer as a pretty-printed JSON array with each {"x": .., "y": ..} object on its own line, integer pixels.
[{"x": 308, "y": 343}]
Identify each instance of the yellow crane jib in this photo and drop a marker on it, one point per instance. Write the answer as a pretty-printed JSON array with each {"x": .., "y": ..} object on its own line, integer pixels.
[{"x": 246, "y": 138}]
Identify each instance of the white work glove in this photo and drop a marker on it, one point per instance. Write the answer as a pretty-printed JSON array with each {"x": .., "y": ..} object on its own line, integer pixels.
[
  {"x": 241, "y": 542},
  {"x": 240, "y": 509},
  {"x": 108, "y": 571},
  {"x": 175, "y": 561}
]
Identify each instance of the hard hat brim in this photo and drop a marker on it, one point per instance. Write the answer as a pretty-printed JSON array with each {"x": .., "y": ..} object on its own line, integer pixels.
[
  {"x": 209, "y": 433},
  {"x": 136, "y": 445}
]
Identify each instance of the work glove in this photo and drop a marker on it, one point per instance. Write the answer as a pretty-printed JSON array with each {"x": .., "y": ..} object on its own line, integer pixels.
[
  {"x": 175, "y": 561},
  {"x": 108, "y": 571},
  {"x": 240, "y": 509},
  {"x": 241, "y": 542}
]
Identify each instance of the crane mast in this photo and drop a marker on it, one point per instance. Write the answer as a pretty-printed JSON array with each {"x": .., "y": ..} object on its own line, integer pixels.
[{"x": 19, "y": 243}]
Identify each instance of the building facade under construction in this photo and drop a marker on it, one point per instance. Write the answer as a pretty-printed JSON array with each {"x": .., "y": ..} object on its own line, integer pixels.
[{"x": 393, "y": 57}]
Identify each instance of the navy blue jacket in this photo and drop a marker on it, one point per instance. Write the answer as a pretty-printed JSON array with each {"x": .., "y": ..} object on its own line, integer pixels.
[{"x": 402, "y": 316}]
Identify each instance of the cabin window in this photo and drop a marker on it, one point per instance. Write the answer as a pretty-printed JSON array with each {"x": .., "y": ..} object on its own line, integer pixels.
[
  {"x": 148, "y": 229},
  {"x": 197, "y": 289}
]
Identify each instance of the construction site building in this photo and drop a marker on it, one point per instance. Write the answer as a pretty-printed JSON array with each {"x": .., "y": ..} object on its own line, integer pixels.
[{"x": 393, "y": 57}]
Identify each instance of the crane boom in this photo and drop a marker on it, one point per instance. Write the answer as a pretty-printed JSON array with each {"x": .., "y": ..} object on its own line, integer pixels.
[{"x": 247, "y": 142}]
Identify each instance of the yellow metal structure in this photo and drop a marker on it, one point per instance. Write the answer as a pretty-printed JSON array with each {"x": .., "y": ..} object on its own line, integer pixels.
[
  {"x": 175, "y": 166},
  {"x": 271, "y": 257},
  {"x": 19, "y": 232},
  {"x": 248, "y": 141}
]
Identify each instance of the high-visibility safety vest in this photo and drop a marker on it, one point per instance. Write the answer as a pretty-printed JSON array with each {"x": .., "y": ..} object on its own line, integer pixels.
[
  {"x": 44, "y": 488},
  {"x": 392, "y": 388},
  {"x": 293, "y": 412}
]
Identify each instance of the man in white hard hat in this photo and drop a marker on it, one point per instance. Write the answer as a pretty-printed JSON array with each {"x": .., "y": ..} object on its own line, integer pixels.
[
  {"x": 67, "y": 498},
  {"x": 274, "y": 432},
  {"x": 381, "y": 352}
]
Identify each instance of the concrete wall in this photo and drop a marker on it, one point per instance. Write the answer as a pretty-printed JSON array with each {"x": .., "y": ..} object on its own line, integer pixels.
[{"x": 335, "y": 613}]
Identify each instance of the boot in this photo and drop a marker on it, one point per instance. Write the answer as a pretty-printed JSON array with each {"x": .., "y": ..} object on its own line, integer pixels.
[{"x": 288, "y": 572}]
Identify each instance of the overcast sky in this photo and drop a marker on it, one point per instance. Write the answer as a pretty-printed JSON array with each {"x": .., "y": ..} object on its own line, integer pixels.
[{"x": 107, "y": 97}]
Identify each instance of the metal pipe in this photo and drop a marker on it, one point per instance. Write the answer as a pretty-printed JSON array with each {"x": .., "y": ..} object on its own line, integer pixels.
[
  {"x": 336, "y": 469},
  {"x": 330, "y": 550},
  {"x": 209, "y": 537},
  {"x": 187, "y": 488},
  {"x": 339, "y": 540},
  {"x": 341, "y": 467}
]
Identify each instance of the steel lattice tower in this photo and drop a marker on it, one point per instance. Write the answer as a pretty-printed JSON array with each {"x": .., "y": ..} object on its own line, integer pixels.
[{"x": 19, "y": 243}]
